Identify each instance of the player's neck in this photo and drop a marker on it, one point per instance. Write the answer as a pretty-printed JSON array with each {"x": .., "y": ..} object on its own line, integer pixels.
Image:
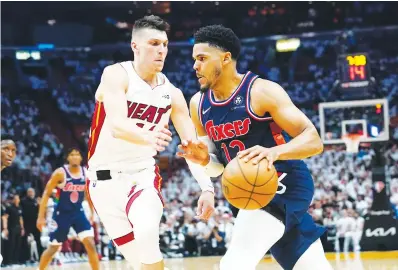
[
  {"x": 227, "y": 84},
  {"x": 74, "y": 169},
  {"x": 2, "y": 167},
  {"x": 147, "y": 76}
]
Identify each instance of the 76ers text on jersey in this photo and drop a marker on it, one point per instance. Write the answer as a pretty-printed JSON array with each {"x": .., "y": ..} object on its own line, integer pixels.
[{"x": 227, "y": 130}]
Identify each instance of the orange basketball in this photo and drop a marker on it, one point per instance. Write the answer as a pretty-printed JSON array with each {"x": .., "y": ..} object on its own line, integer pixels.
[{"x": 249, "y": 186}]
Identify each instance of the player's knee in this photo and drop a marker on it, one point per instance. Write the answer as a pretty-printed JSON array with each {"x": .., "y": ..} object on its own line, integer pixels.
[
  {"x": 89, "y": 244},
  {"x": 52, "y": 249},
  {"x": 131, "y": 253},
  {"x": 147, "y": 238},
  {"x": 147, "y": 233}
]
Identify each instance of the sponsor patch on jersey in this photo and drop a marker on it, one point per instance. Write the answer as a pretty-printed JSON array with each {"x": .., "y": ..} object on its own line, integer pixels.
[{"x": 238, "y": 100}]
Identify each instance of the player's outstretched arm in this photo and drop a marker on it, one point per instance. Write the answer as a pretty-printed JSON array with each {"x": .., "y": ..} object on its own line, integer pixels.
[
  {"x": 267, "y": 96},
  {"x": 57, "y": 178},
  {"x": 202, "y": 152},
  {"x": 186, "y": 130},
  {"x": 194, "y": 151},
  {"x": 112, "y": 90}
]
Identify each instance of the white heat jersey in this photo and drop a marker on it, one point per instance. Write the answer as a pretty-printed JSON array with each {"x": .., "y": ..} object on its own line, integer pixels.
[{"x": 150, "y": 108}]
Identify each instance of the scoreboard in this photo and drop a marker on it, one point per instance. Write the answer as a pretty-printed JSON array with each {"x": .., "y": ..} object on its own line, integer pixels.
[{"x": 354, "y": 70}]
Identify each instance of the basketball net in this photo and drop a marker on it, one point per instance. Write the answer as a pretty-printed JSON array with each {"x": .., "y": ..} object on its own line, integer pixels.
[{"x": 352, "y": 142}]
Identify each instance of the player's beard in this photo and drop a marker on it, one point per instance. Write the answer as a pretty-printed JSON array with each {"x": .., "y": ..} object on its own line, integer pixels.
[{"x": 216, "y": 74}]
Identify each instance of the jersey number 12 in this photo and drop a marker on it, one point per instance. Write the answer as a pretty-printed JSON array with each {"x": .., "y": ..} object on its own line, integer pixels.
[{"x": 235, "y": 143}]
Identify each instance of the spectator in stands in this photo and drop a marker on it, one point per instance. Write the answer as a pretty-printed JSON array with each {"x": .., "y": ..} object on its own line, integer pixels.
[
  {"x": 357, "y": 234},
  {"x": 345, "y": 228},
  {"x": 190, "y": 232},
  {"x": 205, "y": 230}
]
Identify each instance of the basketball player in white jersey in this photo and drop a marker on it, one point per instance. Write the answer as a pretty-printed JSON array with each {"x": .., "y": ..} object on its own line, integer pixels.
[{"x": 134, "y": 103}]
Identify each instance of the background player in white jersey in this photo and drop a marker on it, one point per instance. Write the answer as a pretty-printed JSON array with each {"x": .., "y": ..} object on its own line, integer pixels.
[{"x": 134, "y": 103}]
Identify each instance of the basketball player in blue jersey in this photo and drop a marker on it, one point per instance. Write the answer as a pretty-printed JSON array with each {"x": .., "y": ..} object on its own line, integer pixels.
[
  {"x": 70, "y": 180},
  {"x": 252, "y": 118}
]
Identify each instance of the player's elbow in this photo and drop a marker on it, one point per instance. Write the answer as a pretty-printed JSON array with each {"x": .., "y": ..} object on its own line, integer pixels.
[
  {"x": 116, "y": 127},
  {"x": 319, "y": 147},
  {"x": 317, "y": 143},
  {"x": 120, "y": 133},
  {"x": 116, "y": 133}
]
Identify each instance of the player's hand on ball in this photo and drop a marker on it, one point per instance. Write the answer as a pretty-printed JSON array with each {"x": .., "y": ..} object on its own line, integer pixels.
[
  {"x": 195, "y": 151},
  {"x": 256, "y": 153},
  {"x": 41, "y": 223},
  {"x": 205, "y": 205},
  {"x": 161, "y": 139}
]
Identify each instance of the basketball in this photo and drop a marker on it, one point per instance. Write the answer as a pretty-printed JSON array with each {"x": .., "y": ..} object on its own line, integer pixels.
[{"x": 249, "y": 186}]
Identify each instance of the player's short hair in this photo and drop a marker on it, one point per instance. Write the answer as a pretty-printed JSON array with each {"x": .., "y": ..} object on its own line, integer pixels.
[
  {"x": 151, "y": 22},
  {"x": 220, "y": 37},
  {"x": 70, "y": 150},
  {"x": 5, "y": 138}
]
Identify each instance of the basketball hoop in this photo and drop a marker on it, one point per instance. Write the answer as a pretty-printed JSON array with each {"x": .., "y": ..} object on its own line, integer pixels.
[{"x": 352, "y": 142}]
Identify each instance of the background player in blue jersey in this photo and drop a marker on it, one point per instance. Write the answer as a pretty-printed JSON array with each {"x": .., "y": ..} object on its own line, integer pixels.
[
  {"x": 70, "y": 180},
  {"x": 242, "y": 115}
]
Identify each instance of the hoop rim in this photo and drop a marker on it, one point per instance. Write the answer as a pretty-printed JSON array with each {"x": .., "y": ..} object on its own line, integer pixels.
[
  {"x": 353, "y": 136},
  {"x": 352, "y": 141}
]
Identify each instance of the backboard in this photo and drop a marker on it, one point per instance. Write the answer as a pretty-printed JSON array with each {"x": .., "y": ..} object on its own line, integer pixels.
[{"x": 367, "y": 117}]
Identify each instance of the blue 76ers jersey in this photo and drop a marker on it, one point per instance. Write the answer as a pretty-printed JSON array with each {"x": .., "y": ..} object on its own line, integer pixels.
[
  {"x": 70, "y": 196},
  {"x": 233, "y": 126}
]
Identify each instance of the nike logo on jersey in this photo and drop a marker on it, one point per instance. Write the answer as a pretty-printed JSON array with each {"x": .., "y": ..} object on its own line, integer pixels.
[
  {"x": 205, "y": 111},
  {"x": 227, "y": 130}
]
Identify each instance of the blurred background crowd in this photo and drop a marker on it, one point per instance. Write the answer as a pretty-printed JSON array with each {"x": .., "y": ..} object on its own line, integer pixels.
[{"x": 48, "y": 97}]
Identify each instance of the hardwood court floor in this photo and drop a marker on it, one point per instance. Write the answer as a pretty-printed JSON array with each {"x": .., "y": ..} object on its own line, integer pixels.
[{"x": 373, "y": 262}]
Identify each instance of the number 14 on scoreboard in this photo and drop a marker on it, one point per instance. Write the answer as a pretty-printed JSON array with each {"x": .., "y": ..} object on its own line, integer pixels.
[
  {"x": 356, "y": 65},
  {"x": 354, "y": 69},
  {"x": 357, "y": 71}
]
